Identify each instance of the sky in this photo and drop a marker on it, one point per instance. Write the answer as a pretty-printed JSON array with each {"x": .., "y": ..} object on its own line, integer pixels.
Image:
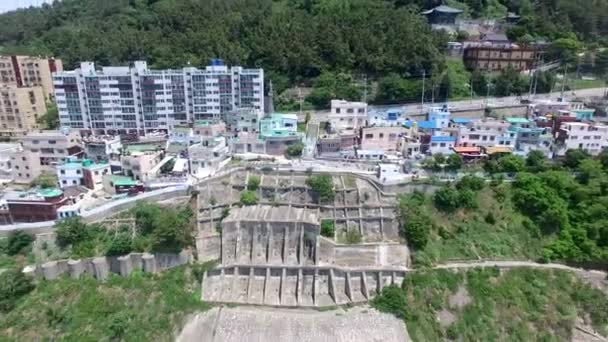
[{"x": 7, "y": 5}]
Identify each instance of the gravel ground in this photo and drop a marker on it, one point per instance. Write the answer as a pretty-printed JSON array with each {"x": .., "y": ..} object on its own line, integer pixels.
[{"x": 253, "y": 324}]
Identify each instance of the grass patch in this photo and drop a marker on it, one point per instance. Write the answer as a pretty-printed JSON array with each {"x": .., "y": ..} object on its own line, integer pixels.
[
  {"x": 302, "y": 127},
  {"x": 520, "y": 305},
  {"x": 574, "y": 84},
  {"x": 474, "y": 234},
  {"x": 141, "y": 307},
  {"x": 350, "y": 181}
]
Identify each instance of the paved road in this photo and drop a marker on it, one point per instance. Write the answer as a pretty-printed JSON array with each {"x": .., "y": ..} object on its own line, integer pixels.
[{"x": 416, "y": 108}]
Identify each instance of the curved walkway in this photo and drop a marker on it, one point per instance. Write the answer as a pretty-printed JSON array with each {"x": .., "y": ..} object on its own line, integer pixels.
[
  {"x": 511, "y": 264},
  {"x": 596, "y": 278}
]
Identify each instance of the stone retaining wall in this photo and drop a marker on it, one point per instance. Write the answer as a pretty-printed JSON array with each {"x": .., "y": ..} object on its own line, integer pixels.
[{"x": 101, "y": 267}]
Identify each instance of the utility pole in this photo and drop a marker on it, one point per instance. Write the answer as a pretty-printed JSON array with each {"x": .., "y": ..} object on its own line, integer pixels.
[
  {"x": 300, "y": 99},
  {"x": 487, "y": 93},
  {"x": 423, "y": 81},
  {"x": 564, "y": 82},
  {"x": 471, "y": 87},
  {"x": 365, "y": 88},
  {"x": 535, "y": 83}
]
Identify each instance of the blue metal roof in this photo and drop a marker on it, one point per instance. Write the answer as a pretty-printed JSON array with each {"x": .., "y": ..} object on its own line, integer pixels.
[
  {"x": 427, "y": 125},
  {"x": 463, "y": 121},
  {"x": 440, "y": 138}
]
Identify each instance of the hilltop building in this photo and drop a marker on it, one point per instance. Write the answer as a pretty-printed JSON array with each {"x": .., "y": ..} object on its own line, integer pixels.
[
  {"x": 20, "y": 109},
  {"x": 29, "y": 71},
  {"x": 140, "y": 100}
]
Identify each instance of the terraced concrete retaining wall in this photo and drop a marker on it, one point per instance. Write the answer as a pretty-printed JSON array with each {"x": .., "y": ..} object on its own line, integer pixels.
[
  {"x": 100, "y": 267},
  {"x": 295, "y": 286}
]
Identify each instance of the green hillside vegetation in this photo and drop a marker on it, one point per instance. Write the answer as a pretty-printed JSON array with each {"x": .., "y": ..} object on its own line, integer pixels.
[
  {"x": 156, "y": 229},
  {"x": 550, "y": 211},
  {"x": 141, "y": 307},
  {"x": 490, "y": 305},
  {"x": 328, "y": 44},
  {"x": 467, "y": 225}
]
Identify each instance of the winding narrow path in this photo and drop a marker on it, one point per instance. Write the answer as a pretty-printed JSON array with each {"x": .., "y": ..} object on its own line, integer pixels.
[{"x": 598, "y": 279}]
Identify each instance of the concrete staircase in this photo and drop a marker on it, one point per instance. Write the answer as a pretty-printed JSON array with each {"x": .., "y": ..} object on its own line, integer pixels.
[{"x": 307, "y": 286}]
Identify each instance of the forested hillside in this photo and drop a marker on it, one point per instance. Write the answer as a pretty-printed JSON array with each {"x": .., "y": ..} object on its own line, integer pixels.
[{"x": 294, "y": 40}]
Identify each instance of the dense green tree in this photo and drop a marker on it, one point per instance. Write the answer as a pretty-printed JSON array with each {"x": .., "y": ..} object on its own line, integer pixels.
[
  {"x": 454, "y": 162},
  {"x": 330, "y": 86},
  {"x": 18, "y": 241},
  {"x": 121, "y": 244},
  {"x": 71, "y": 231},
  {"x": 293, "y": 42},
  {"x": 510, "y": 82},
  {"x": 173, "y": 232},
  {"x": 146, "y": 216},
  {"x": 589, "y": 169},
  {"x": 536, "y": 161},
  {"x": 295, "y": 150},
  {"x": 447, "y": 199},
  {"x": 253, "y": 183},
  {"x": 574, "y": 157},
  {"x": 328, "y": 228},
  {"x": 415, "y": 222},
  {"x": 395, "y": 89},
  {"x": 45, "y": 181},
  {"x": 471, "y": 182},
  {"x": 323, "y": 187},
  {"x": 50, "y": 119}
]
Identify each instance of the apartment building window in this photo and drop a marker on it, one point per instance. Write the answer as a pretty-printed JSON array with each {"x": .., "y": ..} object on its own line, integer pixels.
[
  {"x": 381, "y": 136},
  {"x": 62, "y": 172}
]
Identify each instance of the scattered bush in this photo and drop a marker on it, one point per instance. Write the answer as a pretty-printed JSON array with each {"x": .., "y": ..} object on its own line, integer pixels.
[
  {"x": 471, "y": 182},
  {"x": 490, "y": 219},
  {"x": 18, "y": 242},
  {"x": 122, "y": 244},
  {"x": 13, "y": 285},
  {"x": 328, "y": 228},
  {"x": 295, "y": 150},
  {"x": 447, "y": 198},
  {"x": 249, "y": 198},
  {"x": 353, "y": 237},
  {"x": 225, "y": 213},
  {"x": 323, "y": 186},
  {"x": 253, "y": 183},
  {"x": 392, "y": 300}
]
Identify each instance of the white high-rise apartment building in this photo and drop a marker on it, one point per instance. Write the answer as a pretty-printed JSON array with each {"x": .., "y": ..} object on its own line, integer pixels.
[{"x": 139, "y": 100}]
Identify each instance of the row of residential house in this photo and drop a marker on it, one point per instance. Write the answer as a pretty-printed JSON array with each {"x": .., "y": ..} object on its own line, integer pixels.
[{"x": 551, "y": 127}]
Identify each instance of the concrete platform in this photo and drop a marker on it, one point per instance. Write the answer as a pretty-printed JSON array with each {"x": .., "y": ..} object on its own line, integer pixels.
[{"x": 302, "y": 286}]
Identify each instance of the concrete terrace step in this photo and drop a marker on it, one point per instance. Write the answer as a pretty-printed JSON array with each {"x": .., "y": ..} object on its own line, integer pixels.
[{"x": 295, "y": 286}]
